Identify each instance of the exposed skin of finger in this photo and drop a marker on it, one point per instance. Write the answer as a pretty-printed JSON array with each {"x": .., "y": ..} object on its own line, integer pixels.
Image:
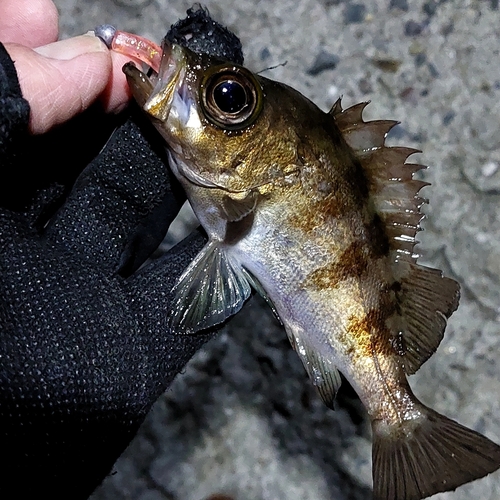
[
  {"x": 117, "y": 94},
  {"x": 59, "y": 89},
  {"x": 80, "y": 70},
  {"x": 64, "y": 50},
  {"x": 59, "y": 79},
  {"x": 28, "y": 22}
]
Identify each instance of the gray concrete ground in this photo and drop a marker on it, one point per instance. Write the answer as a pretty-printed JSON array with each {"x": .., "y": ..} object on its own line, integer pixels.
[{"x": 243, "y": 419}]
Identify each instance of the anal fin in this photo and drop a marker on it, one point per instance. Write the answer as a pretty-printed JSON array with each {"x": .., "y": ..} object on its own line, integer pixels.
[
  {"x": 417, "y": 459},
  {"x": 210, "y": 290}
]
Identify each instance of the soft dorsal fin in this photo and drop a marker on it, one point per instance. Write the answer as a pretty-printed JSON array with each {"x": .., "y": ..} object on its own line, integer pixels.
[{"x": 426, "y": 299}]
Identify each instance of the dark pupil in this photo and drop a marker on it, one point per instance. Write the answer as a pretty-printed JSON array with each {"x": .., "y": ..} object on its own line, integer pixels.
[{"x": 230, "y": 96}]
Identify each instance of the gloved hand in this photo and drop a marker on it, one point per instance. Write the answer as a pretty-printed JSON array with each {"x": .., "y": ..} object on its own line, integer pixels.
[{"x": 84, "y": 344}]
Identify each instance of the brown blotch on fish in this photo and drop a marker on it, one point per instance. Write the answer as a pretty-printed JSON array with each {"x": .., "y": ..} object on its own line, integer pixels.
[
  {"x": 317, "y": 213},
  {"x": 372, "y": 333},
  {"x": 373, "y": 324},
  {"x": 331, "y": 189},
  {"x": 376, "y": 235},
  {"x": 352, "y": 263},
  {"x": 359, "y": 182},
  {"x": 356, "y": 338}
]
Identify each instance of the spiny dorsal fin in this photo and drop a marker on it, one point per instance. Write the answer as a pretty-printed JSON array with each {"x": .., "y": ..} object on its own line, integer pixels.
[
  {"x": 392, "y": 187},
  {"x": 426, "y": 299}
]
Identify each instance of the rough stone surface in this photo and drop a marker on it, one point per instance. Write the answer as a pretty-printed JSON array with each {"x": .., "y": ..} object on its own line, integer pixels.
[{"x": 243, "y": 419}]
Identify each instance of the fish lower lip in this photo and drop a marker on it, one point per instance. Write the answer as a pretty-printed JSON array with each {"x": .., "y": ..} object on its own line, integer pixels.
[
  {"x": 138, "y": 82},
  {"x": 170, "y": 76}
]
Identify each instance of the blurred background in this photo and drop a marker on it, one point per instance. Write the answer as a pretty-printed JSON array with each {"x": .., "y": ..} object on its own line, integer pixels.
[{"x": 243, "y": 422}]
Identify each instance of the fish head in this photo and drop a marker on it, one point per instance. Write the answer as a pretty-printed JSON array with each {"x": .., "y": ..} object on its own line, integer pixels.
[{"x": 225, "y": 126}]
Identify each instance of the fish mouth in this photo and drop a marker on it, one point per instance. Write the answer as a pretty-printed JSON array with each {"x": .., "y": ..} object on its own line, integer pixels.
[
  {"x": 165, "y": 97},
  {"x": 164, "y": 92},
  {"x": 139, "y": 83},
  {"x": 169, "y": 94}
]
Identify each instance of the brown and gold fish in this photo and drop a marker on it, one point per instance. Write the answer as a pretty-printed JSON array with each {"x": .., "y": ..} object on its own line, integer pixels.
[{"x": 317, "y": 214}]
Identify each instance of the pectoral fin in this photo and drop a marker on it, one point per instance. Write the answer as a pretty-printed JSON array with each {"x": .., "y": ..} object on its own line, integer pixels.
[
  {"x": 237, "y": 208},
  {"x": 210, "y": 290}
]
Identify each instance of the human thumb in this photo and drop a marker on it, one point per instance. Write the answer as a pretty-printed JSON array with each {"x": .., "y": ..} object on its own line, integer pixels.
[{"x": 62, "y": 78}]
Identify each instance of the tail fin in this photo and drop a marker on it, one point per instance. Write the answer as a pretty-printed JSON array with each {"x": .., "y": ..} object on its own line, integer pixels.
[{"x": 435, "y": 455}]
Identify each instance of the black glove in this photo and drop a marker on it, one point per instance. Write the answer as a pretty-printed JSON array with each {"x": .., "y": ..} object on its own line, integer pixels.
[{"x": 84, "y": 344}]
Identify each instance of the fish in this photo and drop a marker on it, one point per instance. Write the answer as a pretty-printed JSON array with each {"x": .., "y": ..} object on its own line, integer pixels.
[{"x": 313, "y": 211}]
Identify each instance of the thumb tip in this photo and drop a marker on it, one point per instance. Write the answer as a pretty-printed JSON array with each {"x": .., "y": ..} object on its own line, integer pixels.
[{"x": 70, "y": 48}]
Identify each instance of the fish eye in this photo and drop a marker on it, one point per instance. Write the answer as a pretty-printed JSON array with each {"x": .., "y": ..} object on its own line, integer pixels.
[{"x": 231, "y": 97}]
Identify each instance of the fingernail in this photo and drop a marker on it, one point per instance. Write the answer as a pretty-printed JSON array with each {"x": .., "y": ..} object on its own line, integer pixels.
[{"x": 72, "y": 47}]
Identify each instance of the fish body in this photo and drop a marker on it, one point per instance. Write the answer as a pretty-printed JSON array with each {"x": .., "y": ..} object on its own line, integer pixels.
[{"x": 313, "y": 211}]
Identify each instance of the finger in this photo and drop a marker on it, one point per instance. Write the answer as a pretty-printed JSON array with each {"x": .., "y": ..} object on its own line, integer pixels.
[
  {"x": 123, "y": 199},
  {"x": 61, "y": 79},
  {"x": 116, "y": 95},
  {"x": 152, "y": 287},
  {"x": 28, "y": 22}
]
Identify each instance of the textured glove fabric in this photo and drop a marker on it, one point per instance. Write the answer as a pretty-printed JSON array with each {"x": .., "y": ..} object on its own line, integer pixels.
[{"x": 84, "y": 345}]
